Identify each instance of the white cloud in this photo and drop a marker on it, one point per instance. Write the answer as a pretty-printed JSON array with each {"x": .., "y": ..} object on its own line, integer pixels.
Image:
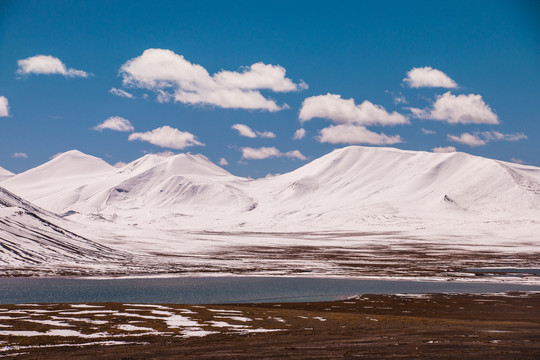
[
  {"x": 296, "y": 154},
  {"x": 259, "y": 76},
  {"x": 351, "y": 134},
  {"x": 460, "y": 109},
  {"x": 47, "y": 65},
  {"x": 468, "y": 139},
  {"x": 172, "y": 77},
  {"x": 444, "y": 149},
  {"x": 223, "y": 162},
  {"x": 167, "y": 137},
  {"x": 299, "y": 134},
  {"x": 269, "y": 152},
  {"x": 166, "y": 153},
  {"x": 246, "y": 131},
  {"x": 20, "y": 155},
  {"x": 428, "y": 132},
  {"x": 345, "y": 111},
  {"x": 120, "y": 164},
  {"x": 115, "y": 123},
  {"x": 428, "y": 77},
  {"x": 266, "y": 134},
  {"x": 260, "y": 153},
  {"x": 4, "y": 106},
  {"x": 121, "y": 93},
  {"x": 482, "y": 138}
]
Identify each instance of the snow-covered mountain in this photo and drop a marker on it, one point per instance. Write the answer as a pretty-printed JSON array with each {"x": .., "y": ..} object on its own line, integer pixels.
[
  {"x": 5, "y": 174},
  {"x": 30, "y": 235},
  {"x": 185, "y": 214},
  {"x": 346, "y": 189},
  {"x": 356, "y": 181},
  {"x": 152, "y": 186}
]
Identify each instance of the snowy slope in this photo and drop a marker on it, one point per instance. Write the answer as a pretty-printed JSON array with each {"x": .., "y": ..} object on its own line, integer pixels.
[
  {"x": 5, "y": 174},
  {"x": 349, "y": 188},
  {"x": 29, "y": 236},
  {"x": 180, "y": 184},
  {"x": 361, "y": 181},
  {"x": 58, "y": 181},
  {"x": 185, "y": 183}
]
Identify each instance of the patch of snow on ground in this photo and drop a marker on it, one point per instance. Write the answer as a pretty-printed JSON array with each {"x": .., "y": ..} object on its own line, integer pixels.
[
  {"x": 128, "y": 327},
  {"x": 177, "y": 321},
  {"x": 50, "y": 322},
  {"x": 223, "y": 324},
  {"x": 237, "y": 318},
  {"x": 155, "y": 306},
  {"x": 54, "y": 332},
  {"x": 87, "y": 312}
]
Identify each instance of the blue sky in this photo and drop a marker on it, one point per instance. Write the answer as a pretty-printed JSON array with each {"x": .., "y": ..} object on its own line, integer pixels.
[{"x": 475, "y": 87}]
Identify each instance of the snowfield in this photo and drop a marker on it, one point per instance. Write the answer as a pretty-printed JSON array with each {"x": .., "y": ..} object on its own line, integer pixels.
[{"x": 357, "y": 211}]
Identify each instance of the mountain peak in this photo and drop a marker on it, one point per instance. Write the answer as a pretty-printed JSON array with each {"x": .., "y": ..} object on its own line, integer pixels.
[{"x": 5, "y": 174}]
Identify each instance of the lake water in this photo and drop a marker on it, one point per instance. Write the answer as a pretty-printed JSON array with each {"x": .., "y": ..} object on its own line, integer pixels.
[{"x": 213, "y": 290}]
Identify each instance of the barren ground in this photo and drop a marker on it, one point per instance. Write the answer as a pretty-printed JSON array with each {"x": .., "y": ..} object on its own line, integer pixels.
[{"x": 439, "y": 326}]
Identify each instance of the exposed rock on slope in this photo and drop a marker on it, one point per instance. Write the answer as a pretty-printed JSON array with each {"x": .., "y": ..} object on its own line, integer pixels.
[{"x": 29, "y": 236}]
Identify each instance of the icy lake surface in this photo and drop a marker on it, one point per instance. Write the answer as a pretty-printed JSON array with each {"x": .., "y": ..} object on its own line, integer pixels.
[{"x": 208, "y": 290}]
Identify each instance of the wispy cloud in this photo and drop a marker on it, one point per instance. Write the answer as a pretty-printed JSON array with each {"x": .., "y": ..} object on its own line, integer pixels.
[
  {"x": 428, "y": 132},
  {"x": 174, "y": 78},
  {"x": 482, "y": 138},
  {"x": 246, "y": 131},
  {"x": 47, "y": 65},
  {"x": 428, "y": 77},
  {"x": 517, "y": 161},
  {"x": 444, "y": 149},
  {"x": 460, "y": 109},
  {"x": 121, "y": 93},
  {"x": 115, "y": 123},
  {"x": 223, "y": 162},
  {"x": 167, "y": 137},
  {"x": 269, "y": 152},
  {"x": 345, "y": 111},
  {"x": 20, "y": 155},
  {"x": 400, "y": 99}
]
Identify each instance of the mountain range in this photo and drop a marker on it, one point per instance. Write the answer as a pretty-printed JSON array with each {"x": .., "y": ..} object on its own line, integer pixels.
[
  {"x": 344, "y": 187},
  {"x": 77, "y": 209}
]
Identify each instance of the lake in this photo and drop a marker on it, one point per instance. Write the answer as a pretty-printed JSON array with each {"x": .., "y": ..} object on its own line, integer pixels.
[{"x": 215, "y": 290}]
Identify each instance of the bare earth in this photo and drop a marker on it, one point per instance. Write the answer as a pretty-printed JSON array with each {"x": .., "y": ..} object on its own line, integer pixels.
[{"x": 439, "y": 326}]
